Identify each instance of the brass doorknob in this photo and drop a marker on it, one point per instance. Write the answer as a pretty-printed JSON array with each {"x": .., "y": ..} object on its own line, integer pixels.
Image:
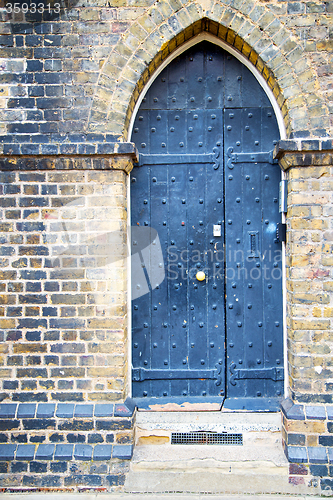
[{"x": 200, "y": 276}]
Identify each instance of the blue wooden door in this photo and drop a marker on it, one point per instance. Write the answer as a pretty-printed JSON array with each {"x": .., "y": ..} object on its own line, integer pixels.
[{"x": 207, "y": 185}]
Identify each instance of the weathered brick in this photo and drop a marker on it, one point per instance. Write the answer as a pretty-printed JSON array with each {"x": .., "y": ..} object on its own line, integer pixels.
[
  {"x": 299, "y": 426},
  {"x": 76, "y": 425},
  {"x": 67, "y": 372},
  {"x": 29, "y": 347},
  {"x": 40, "y": 423},
  {"x": 44, "y": 481},
  {"x": 83, "y": 480},
  {"x": 113, "y": 424}
]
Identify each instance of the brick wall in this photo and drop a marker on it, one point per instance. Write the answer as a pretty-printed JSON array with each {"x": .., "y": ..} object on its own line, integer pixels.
[
  {"x": 309, "y": 277},
  {"x": 308, "y": 443},
  {"x": 307, "y": 416},
  {"x": 83, "y": 70},
  {"x": 63, "y": 319},
  {"x": 69, "y": 84},
  {"x": 64, "y": 447},
  {"x": 64, "y": 284}
]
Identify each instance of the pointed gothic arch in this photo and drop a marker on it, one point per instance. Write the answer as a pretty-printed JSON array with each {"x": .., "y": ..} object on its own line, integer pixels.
[{"x": 262, "y": 40}]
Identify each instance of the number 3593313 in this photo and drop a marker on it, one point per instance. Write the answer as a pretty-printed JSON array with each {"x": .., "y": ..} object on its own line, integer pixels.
[{"x": 15, "y": 8}]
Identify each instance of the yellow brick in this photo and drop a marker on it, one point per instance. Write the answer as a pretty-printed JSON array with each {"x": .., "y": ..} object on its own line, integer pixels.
[
  {"x": 312, "y": 440},
  {"x": 7, "y": 323},
  {"x": 302, "y": 361},
  {"x": 124, "y": 436},
  {"x": 299, "y": 286},
  {"x": 316, "y": 236},
  {"x": 327, "y": 260},
  {"x": 299, "y": 310},
  {"x": 326, "y": 185},
  {"x": 315, "y": 185},
  {"x": 104, "y": 347},
  {"x": 65, "y": 177},
  {"x": 115, "y": 360},
  {"x": 105, "y": 396},
  {"x": 105, "y": 372},
  {"x": 328, "y": 286},
  {"x": 308, "y": 172},
  {"x": 311, "y": 324},
  {"x": 304, "y": 249},
  {"x": 319, "y": 361},
  {"x": 317, "y": 337},
  {"x": 307, "y": 198},
  {"x": 114, "y": 323},
  {"x": 146, "y": 22},
  {"x": 301, "y": 260},
  {"x": 316, "y": 312},
  {"x": 115, "y": 385},
  {"x": 89, "y": 14},
  {"x": 298, "y": 211},
  {"x": 327, "y": 248},
  {"x": 114, "y": 336},
  {"x": 318, "y": 224},
  {"x": 305, "y": 426},
  {"x": 309, "y": 298},
  {"x": 34, "y": 347},
  {"x": 316, "y": 211},
  {"x": 298, "y": 185},
  {"x": 308, "y": 224},
  {"x": 328, "y": 312}
]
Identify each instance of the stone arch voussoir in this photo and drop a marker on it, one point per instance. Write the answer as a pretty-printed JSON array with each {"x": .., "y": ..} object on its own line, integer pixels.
[{"x": 256, "y": 33}]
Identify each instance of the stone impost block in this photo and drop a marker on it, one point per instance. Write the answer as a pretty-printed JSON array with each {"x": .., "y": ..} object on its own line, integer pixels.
[{"x": 303, "y": 153}]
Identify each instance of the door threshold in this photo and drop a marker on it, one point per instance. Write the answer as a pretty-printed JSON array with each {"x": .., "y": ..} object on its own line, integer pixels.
[
  {"x": 252, "y": 404},
  {"x": 213, "y": 403},
  {"x": 179, "y": 404}
]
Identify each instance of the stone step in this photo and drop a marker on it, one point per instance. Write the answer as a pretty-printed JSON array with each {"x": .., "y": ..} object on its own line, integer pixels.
[
  {"x": 208, "y": 475},
  {"x": 208, "y": 481},
  {"x": 258, "y": 466}
]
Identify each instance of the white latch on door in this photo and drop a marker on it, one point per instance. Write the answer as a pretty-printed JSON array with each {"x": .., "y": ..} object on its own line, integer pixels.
[{"x": 217, "y": 230}]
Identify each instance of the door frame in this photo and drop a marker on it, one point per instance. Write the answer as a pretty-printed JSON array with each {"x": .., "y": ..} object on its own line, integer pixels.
[{"x": 204, "y": 36}]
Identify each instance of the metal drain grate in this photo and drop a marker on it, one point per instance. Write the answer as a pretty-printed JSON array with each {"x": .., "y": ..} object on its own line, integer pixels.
[{"x": 203, "y": 437}]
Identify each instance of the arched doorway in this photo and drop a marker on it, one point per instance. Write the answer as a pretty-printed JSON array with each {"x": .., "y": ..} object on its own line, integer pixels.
[{"x": 209, "y": 325}]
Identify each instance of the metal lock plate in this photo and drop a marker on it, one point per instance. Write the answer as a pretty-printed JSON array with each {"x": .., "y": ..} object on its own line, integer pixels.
[{"x": 217, "y": 230}]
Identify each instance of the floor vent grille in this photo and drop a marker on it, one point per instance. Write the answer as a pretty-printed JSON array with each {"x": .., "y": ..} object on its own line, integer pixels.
[{"x": 203, "y": 437}]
